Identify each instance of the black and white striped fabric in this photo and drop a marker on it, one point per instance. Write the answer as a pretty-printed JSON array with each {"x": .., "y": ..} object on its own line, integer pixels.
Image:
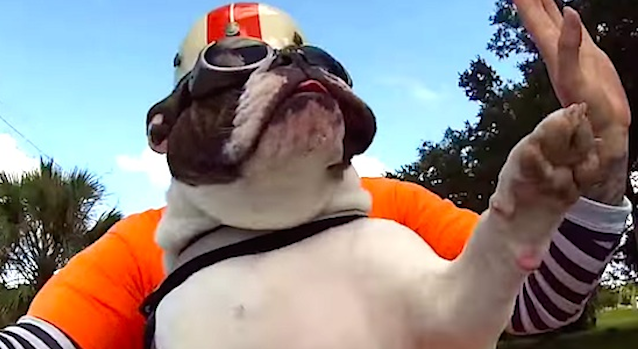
[
  {"x": 32, "y": 333},
  {"x": 551, "y": 297},
  {"x": 555, "y": 295}
]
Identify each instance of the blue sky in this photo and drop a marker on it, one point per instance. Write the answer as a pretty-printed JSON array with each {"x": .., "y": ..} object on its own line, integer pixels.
[{"x": 77, "y": 77}]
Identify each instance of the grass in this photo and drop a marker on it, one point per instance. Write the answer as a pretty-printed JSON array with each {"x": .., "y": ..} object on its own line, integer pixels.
[
  {"x": 621, "y": 318},
  {"x": 615, "y": 329}
]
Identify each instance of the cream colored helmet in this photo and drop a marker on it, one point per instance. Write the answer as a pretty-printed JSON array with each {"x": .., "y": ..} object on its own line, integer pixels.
[{"x": 245, "y": 19}]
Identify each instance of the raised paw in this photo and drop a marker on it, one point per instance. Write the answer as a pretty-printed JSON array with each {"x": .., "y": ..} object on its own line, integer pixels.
[
  {"x": 543, "y": 176},
  {"x": 554, "y": 164}
]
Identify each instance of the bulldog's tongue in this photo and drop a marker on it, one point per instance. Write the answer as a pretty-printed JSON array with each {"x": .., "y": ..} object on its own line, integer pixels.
[{"x": 311, "y": 86}]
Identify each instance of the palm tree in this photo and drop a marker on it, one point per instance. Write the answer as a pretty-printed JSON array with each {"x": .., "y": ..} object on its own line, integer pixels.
[{"x": 46, "y": 217}]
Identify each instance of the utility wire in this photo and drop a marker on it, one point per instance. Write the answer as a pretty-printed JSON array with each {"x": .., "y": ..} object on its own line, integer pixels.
[{"x": 42, "y": 153}]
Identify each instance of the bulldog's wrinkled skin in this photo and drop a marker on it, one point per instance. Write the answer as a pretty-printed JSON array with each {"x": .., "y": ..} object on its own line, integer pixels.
[{"x": 276, "y": 155}]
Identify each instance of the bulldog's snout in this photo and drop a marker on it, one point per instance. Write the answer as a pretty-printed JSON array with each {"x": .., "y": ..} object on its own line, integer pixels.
[{"x": 289, "y": 57}]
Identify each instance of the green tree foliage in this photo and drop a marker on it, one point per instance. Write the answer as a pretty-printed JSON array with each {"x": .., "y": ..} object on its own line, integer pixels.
[
  {"x": 46, "y": 217},
  {"x": 606, "y": 298},
  {"x": 464, "y": 165}
]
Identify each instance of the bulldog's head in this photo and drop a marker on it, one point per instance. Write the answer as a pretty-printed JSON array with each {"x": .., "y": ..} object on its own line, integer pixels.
[{"x": 217, "y": 127}]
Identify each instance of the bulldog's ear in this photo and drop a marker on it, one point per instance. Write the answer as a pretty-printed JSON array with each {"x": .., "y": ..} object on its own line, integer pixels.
[
  {"x": 157, "y": 134},
  {"x": 161, "y": 118},
  {"x": 359, "y": 134}
]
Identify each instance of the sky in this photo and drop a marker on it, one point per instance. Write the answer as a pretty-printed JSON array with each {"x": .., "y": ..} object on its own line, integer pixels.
[{"x": 78, "y": 76}]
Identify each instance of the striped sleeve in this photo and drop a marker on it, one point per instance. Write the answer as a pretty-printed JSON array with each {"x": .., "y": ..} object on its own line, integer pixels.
[
  {"x": 555, "y": 295},
  {"x": 32, "y": 333}
]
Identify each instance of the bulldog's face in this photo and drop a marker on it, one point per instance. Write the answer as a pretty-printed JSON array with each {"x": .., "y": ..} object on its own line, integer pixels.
[{"x": 284, "y": 112}]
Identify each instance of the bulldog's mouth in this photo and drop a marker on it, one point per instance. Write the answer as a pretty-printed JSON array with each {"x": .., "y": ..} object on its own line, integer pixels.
[
  {"x": 311, "y": 86},
  {"x": 302, "y": 92},
  {"x": 298, "y": 98},
  {"x": 304, "y": 85}
]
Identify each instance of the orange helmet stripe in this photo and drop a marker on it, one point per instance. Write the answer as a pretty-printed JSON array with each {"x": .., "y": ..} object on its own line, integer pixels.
[{"x": 245, "y": 14}]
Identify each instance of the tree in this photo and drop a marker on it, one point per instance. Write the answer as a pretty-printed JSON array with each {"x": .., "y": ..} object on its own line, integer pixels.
[
  {"x": 464, "y": 165},
  {"x": 46, "y": 217},
  {"x": 606, "y": 298},
  {"x": 614, "y": 27}
]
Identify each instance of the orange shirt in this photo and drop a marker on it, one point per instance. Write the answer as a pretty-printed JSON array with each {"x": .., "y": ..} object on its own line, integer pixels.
[{"x": 94, "y": 300}]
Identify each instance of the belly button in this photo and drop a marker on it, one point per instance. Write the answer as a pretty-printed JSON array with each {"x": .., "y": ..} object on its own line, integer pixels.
[{"x": 239, "y": 311}]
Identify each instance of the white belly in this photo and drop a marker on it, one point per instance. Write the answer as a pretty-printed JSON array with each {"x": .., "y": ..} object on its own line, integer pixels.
[
  {"x": 371, "y": 284},
  {"x": 330, "y": 292}
]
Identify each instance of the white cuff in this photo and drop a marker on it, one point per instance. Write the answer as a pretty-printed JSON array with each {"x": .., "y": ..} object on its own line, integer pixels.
[{"x": 600, "y": 217}]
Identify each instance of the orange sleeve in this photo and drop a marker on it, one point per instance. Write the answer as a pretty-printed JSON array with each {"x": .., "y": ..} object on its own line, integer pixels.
[
  {"x": 444, "y": 226},
  {"x": 95, "y": 298}
]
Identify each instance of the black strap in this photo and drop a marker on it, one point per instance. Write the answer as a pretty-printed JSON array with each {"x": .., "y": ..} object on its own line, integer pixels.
[
  {"x": 200, "y": 236},
  {"x": 260, "y": 244},
  {"x": 149, "y": 332}
]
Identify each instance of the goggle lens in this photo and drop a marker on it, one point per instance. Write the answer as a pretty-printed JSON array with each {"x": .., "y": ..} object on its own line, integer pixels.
[
  {"x": 318, "y": 57},
  {"x": 242, "y": 54},
  {"x": 236, "y": 52}
]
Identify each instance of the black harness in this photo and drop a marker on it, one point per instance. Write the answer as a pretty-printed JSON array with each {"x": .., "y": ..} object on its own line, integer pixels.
[{"x": 260, "y": 244}]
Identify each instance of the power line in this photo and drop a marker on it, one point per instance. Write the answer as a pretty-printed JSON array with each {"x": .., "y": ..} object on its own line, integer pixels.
[
  {"x": 40, "y": 151},
  {"x": 3, "y": 119}
]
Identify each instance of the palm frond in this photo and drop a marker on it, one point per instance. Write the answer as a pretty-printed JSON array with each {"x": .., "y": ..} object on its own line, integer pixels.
[{"x": 47, "y": 215}]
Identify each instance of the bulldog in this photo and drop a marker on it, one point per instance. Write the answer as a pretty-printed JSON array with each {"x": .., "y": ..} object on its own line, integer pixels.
[{"x": 271, "y": 151}]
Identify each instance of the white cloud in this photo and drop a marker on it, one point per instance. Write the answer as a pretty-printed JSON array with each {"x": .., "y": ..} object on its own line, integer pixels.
[
  {"x": 12, "y": 159},
  {"x": 416, "y": 88},
  {"x": 149, "y": 163},
  {"x": 367, "y": 166},
  {"x": 154, "y": 166}
]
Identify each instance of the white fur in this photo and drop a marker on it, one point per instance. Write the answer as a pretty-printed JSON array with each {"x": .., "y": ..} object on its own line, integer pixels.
[
  {"x": 369, "y": 284},
  {"x": 253, "y": 206},
  {"x": 250, "y": 114}
]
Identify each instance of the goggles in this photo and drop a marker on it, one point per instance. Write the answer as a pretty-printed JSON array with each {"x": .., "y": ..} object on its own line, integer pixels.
[{"x": 230, "y": 62}]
